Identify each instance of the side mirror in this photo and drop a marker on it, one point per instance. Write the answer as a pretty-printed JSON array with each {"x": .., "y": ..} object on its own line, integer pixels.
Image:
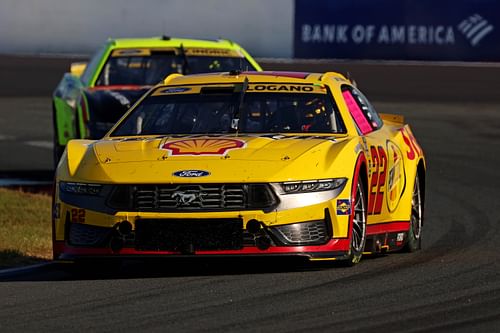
[{"x": 77, "y": 68}]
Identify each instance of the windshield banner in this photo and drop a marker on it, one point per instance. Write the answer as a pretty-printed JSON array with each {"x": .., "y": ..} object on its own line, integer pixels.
[
  {"x": 252, "y": 87},
  {"x": 448, "y": 30}
]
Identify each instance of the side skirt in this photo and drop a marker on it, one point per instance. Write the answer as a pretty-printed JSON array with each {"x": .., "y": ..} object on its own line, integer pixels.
[{"x": 386, "y": 237}]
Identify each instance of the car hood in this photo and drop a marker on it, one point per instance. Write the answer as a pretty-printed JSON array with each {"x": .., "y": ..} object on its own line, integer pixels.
[{"x": 218, "y": 158}]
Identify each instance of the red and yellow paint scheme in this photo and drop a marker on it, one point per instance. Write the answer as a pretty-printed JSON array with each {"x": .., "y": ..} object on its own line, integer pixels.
[{"x": 243, "y": 164}]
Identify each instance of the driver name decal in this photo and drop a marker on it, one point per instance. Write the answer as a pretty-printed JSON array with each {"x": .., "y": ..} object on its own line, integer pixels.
[{"x": 288, "y": 88}]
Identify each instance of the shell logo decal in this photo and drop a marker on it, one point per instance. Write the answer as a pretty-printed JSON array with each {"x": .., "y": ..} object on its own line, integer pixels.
[{"x": 202, "y": 146}]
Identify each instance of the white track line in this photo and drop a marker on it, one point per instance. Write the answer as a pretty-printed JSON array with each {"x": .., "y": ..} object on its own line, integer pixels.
[
  {"x": 6, "y": 137},
  {"x": 24, "y": 269},
  {"x": 40, "y": 144}
]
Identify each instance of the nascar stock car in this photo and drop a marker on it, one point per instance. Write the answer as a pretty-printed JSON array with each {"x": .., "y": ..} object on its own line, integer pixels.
[
  {"x": 243, "y": 164},
  {"x": 92, "y": 97}
]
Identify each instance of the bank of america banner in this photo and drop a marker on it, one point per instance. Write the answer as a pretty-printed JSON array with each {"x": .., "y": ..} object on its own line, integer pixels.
[{"x": 458, "y": 30}]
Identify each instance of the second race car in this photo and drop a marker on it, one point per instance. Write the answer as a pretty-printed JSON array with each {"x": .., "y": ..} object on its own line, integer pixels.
[{"x": 92, "y": 97}]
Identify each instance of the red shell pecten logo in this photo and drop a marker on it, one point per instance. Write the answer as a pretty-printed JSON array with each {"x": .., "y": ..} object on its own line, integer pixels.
[{"x": 202, "y": 146}]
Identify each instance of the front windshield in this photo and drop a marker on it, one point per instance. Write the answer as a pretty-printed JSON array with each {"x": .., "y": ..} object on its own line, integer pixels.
[
  {"x": 214, "y": 112},
  {"x": 153, "y": 67}
]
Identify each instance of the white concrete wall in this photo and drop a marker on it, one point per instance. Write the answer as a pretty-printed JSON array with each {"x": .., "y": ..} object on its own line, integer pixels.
[{"x": 263, "y": 27}]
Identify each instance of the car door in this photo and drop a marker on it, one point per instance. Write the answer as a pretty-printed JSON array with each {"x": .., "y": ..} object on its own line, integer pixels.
[{"x": 385, "y": 161}]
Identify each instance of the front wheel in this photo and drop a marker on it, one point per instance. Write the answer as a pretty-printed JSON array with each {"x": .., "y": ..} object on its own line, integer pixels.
[
  {"x": 57, "y": 153},
  {"x": 414, "y": 241},
  {"x": 358, "y": 234},
  {"x": 57, "y": 148}
]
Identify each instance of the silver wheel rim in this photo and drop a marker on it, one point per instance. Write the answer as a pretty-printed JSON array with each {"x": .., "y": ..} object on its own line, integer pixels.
[
  {"x": 359, "y": 221},
  {"x": 416, "y": 210}
]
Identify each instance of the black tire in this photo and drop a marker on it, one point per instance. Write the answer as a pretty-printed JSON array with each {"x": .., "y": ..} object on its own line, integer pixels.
[
  {"x": 58, "y": 151},
  {"x": 414, "y": 239},
  {"x": 358, "y": 234},
  {"x": 78, "y": 134},
  {"x": 57, "y": 148}
]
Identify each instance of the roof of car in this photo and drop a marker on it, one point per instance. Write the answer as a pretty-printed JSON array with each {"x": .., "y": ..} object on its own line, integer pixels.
[
  {"x": 255, "y": 77},
  {"x": 165, "y": 41}
]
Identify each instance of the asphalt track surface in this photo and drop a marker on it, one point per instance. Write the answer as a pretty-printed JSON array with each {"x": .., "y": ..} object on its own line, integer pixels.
[{"x": 452, "y": 284}]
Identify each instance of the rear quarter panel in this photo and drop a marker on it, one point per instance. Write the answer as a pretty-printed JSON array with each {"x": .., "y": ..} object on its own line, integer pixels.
[{"x": 393, "y": 155}]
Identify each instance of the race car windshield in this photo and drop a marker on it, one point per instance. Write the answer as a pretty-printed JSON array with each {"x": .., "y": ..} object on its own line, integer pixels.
[
  {"x": 213, "y": 113},
  {"x": 153, "y": 68}
]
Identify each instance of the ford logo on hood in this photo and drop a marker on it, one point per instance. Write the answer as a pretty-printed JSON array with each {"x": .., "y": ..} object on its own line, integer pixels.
[{"x": 191, "y": 173}]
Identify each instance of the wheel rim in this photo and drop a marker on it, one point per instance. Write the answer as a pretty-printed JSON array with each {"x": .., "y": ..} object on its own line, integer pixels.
[
  {"x": 416, "y": 210},
  {"x": 359, "y": 221}
]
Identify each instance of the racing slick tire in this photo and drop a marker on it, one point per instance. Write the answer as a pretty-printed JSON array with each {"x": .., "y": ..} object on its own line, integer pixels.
[
  {"x": 58, "y": 151},
  {"x": 358, "y": 234},
  {"x": 57, "y": 148},
  {"x": 414, "y": 241}
]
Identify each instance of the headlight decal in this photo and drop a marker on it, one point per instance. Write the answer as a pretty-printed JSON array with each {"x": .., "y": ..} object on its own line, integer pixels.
[
  {"x": 308, "y": 186},
  {"x": 307, "y": 193},
  {"x": 80, "y": 188},
  {"x": 86, "y": 196}
]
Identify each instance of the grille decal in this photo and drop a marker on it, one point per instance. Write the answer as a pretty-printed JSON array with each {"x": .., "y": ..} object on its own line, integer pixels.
[{"x": 192, "y": 197}]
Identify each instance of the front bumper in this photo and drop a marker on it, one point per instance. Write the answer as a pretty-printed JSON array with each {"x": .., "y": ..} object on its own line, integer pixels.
[
  {"x": 316, "y": 231},
  {"x": 335, "y": 249}
]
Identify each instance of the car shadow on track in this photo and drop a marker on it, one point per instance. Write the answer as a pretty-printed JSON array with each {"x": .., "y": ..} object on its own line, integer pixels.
[{"x": 161, "y": 268}]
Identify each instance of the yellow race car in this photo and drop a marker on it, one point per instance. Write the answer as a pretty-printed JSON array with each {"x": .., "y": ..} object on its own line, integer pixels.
[{"x": 243, "y": 164}]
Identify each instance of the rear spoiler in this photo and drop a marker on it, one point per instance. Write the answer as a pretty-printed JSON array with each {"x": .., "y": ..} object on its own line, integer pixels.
[{"x": 393, "y": 118}]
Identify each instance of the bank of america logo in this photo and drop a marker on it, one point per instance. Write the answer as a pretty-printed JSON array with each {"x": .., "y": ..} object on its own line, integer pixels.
[{"x": 475, "y": 28}]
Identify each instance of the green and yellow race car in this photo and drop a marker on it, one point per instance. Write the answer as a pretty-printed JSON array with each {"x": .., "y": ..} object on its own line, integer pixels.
[{"x": 93, "y": 96}]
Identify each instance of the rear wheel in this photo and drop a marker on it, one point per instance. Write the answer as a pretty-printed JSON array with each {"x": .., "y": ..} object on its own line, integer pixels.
[
  {"x": 358, "y": 235},
  {"x": 414, "y": 241}
]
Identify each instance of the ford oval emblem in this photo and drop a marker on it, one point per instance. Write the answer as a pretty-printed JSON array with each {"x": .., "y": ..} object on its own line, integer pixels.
[
  {"x": 191, "y": 173},
  {"x": 174, "y": 90}
]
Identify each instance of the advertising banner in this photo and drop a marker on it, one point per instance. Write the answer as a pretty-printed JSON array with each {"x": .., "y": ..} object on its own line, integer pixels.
[{"x": 457, "y": 30}]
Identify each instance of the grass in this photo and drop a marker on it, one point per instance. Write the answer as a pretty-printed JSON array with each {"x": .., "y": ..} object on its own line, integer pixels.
[{"x": 25, "y": 228}]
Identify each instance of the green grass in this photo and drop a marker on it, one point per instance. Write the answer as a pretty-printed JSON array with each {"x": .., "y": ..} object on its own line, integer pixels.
[{"x": 25, "y": 228}]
